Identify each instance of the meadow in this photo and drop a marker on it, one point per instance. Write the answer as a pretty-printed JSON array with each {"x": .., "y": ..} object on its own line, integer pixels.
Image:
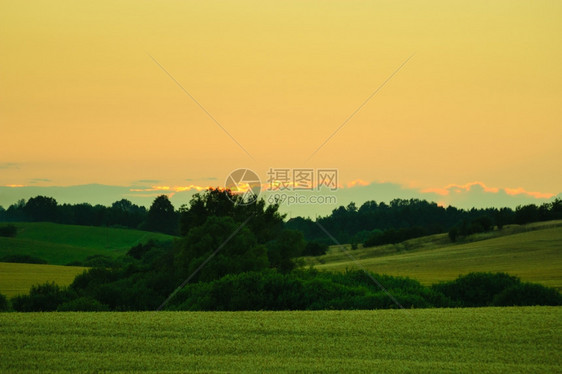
[
  {"x": 17, "y": 279},
  {"x": 532, "y": 252},
  {"x": 527, "y": 339},
  {"x": 61, "y": 244}
]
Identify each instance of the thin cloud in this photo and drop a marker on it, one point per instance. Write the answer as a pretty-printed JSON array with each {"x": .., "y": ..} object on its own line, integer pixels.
[
  {"x": 535, "y": 194},
  {"x": 357, "y": 182},
  {"x": 39, "y": 180},
  {"x": 464, "y": 188},
  {"x": 9, "y": 165}
]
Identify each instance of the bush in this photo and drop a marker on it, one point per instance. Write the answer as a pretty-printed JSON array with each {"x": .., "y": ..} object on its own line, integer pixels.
[
  {"x": 315, "y": 249},
  {"x": 82, "y": 304},
  {"x": 305, "y": 290},
  {"x": 42, "y": 298},
  {"x": 476, "y": 289},
  {"x": 528, "y": 294},
  {"x": 8, "y": 231},
  {"x": 99, "y": 261},
  {"x": 23, "y": 259},
  {"x": 4, "y": 305}
]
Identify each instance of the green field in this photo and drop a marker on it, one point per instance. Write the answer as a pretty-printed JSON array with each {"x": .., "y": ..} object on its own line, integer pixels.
[
  {"x": 432, "y": 340},
  {"x": 17, "y": 279},
  {"x": 532, "y": 252},
  {"x": 61, "y": 244}
]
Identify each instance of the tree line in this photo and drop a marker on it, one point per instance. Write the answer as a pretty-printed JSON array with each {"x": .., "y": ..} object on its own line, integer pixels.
[
  {"x": 380, "y": 223},
  {"x": 161, "y": 217},
  {"x": 243, "y": 257},
  {"x": 371, "y": 224}
]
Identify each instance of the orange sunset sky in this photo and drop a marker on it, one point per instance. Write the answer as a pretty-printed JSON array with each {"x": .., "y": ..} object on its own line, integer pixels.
[{"x": 480, "y": 99}]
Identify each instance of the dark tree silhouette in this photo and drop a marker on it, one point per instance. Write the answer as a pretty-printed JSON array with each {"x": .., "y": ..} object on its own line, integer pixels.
[
  {"x": 162, "y": 217},
  {"x": 41, "y": 208}
]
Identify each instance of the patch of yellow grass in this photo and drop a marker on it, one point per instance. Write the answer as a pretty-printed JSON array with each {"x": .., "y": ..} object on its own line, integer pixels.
[{"x": 16, "y": 279}]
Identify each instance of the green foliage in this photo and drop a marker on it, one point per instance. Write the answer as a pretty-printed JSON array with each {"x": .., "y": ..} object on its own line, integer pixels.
[
  {"x": 41, "y": 208},
  {"x": 266, "y": 222},
  {"x": 82, "y": 304},
  {"x": 306, "y": 290},
  {"x": 315, "y": 248},
  {"x": 23, "y": 259},
  {"x": 100, "y": 261},
  {"x": 527, "y": 294},
  {"x": 238, "y": 254},
  {"x": 162, "y": 217},
  {"x": 481, "y": 289},
  {"x": 392, "y": 236},
  {"x": 280, "y": 251},
  {"x": 8, "y": 231},
  {"x": 42, "y": 298},
  {"x": 122, "y": 213},
  {"x": 453, "y": 234},
  {"x": 4, "y": 305},
  {"x": 478, "y": 225}
]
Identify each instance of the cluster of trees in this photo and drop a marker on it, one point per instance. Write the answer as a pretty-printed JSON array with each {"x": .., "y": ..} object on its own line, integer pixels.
[
  {"x": 102, "y": 290},
  {"x": 371, "y": 224},
  {"x": 480, "y": 224},
  {"x": 393, "y": 236},
  {"x": 242, "y": 257},
  {"x": 161, "y": 217},
  {"x": 380, "y": 223},
  {"x": 219, "y": 238}
]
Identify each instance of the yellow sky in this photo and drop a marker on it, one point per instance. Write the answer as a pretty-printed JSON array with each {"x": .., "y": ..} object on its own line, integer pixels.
[{"x": 81, "y": 101}]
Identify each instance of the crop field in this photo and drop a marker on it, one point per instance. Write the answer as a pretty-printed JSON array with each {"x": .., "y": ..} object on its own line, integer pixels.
[
  {"x": 17, "y": 279},
  {"x": 533, "y": 253},
  {"x": 61, "y": 244},
  {"x": 432, "y": 340}
]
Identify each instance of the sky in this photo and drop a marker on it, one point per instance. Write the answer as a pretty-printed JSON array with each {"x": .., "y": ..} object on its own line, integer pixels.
[{"x": 423, "y": 96}]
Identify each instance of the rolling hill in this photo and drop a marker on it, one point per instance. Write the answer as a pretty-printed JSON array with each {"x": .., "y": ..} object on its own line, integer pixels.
[
  {"x": 533, "y": 252},
  {"x": 61, "y": 244}
]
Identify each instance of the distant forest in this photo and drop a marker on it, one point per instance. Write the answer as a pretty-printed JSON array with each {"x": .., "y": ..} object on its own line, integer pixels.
[
  {"x": 370, "y": 224},
  {"x": 380, "y": 223},
  {"x": 245, "y": 257}
]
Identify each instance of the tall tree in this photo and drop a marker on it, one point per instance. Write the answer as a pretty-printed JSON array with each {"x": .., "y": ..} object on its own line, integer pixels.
[
  {"x": 41, "y": 208},
  {"x": 162, "y": 217}
]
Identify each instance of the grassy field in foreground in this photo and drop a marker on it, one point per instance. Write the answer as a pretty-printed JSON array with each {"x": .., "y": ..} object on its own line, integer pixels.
[
  {"x": 431, "y": 340},
  {"x": 17, "y": 279},
  {"x": 60, "y": 244},
  {"x": 534, "y": 253}
]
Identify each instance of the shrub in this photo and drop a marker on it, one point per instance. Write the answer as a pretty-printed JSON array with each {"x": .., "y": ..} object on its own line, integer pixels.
[
  {"x": 82, "y": 304},
  {"x": 315, "y": 249},
  {"x": 42, "y": 298},
  {"x": 8, "y": 231},
  {"x": 23, "y": 259},
  {"x": 99, "y": 261},
  {"x": 476, "y": 289},
  {"x": 528, "y": 294},
  {"x": 4, "y": 305}
]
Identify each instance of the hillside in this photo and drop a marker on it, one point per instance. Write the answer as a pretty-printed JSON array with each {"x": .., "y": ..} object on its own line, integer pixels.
[
  {"x": 533, "y": 252},
  {"x": 61, "y": 244},
  {"x": 17, "y": 279}
]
